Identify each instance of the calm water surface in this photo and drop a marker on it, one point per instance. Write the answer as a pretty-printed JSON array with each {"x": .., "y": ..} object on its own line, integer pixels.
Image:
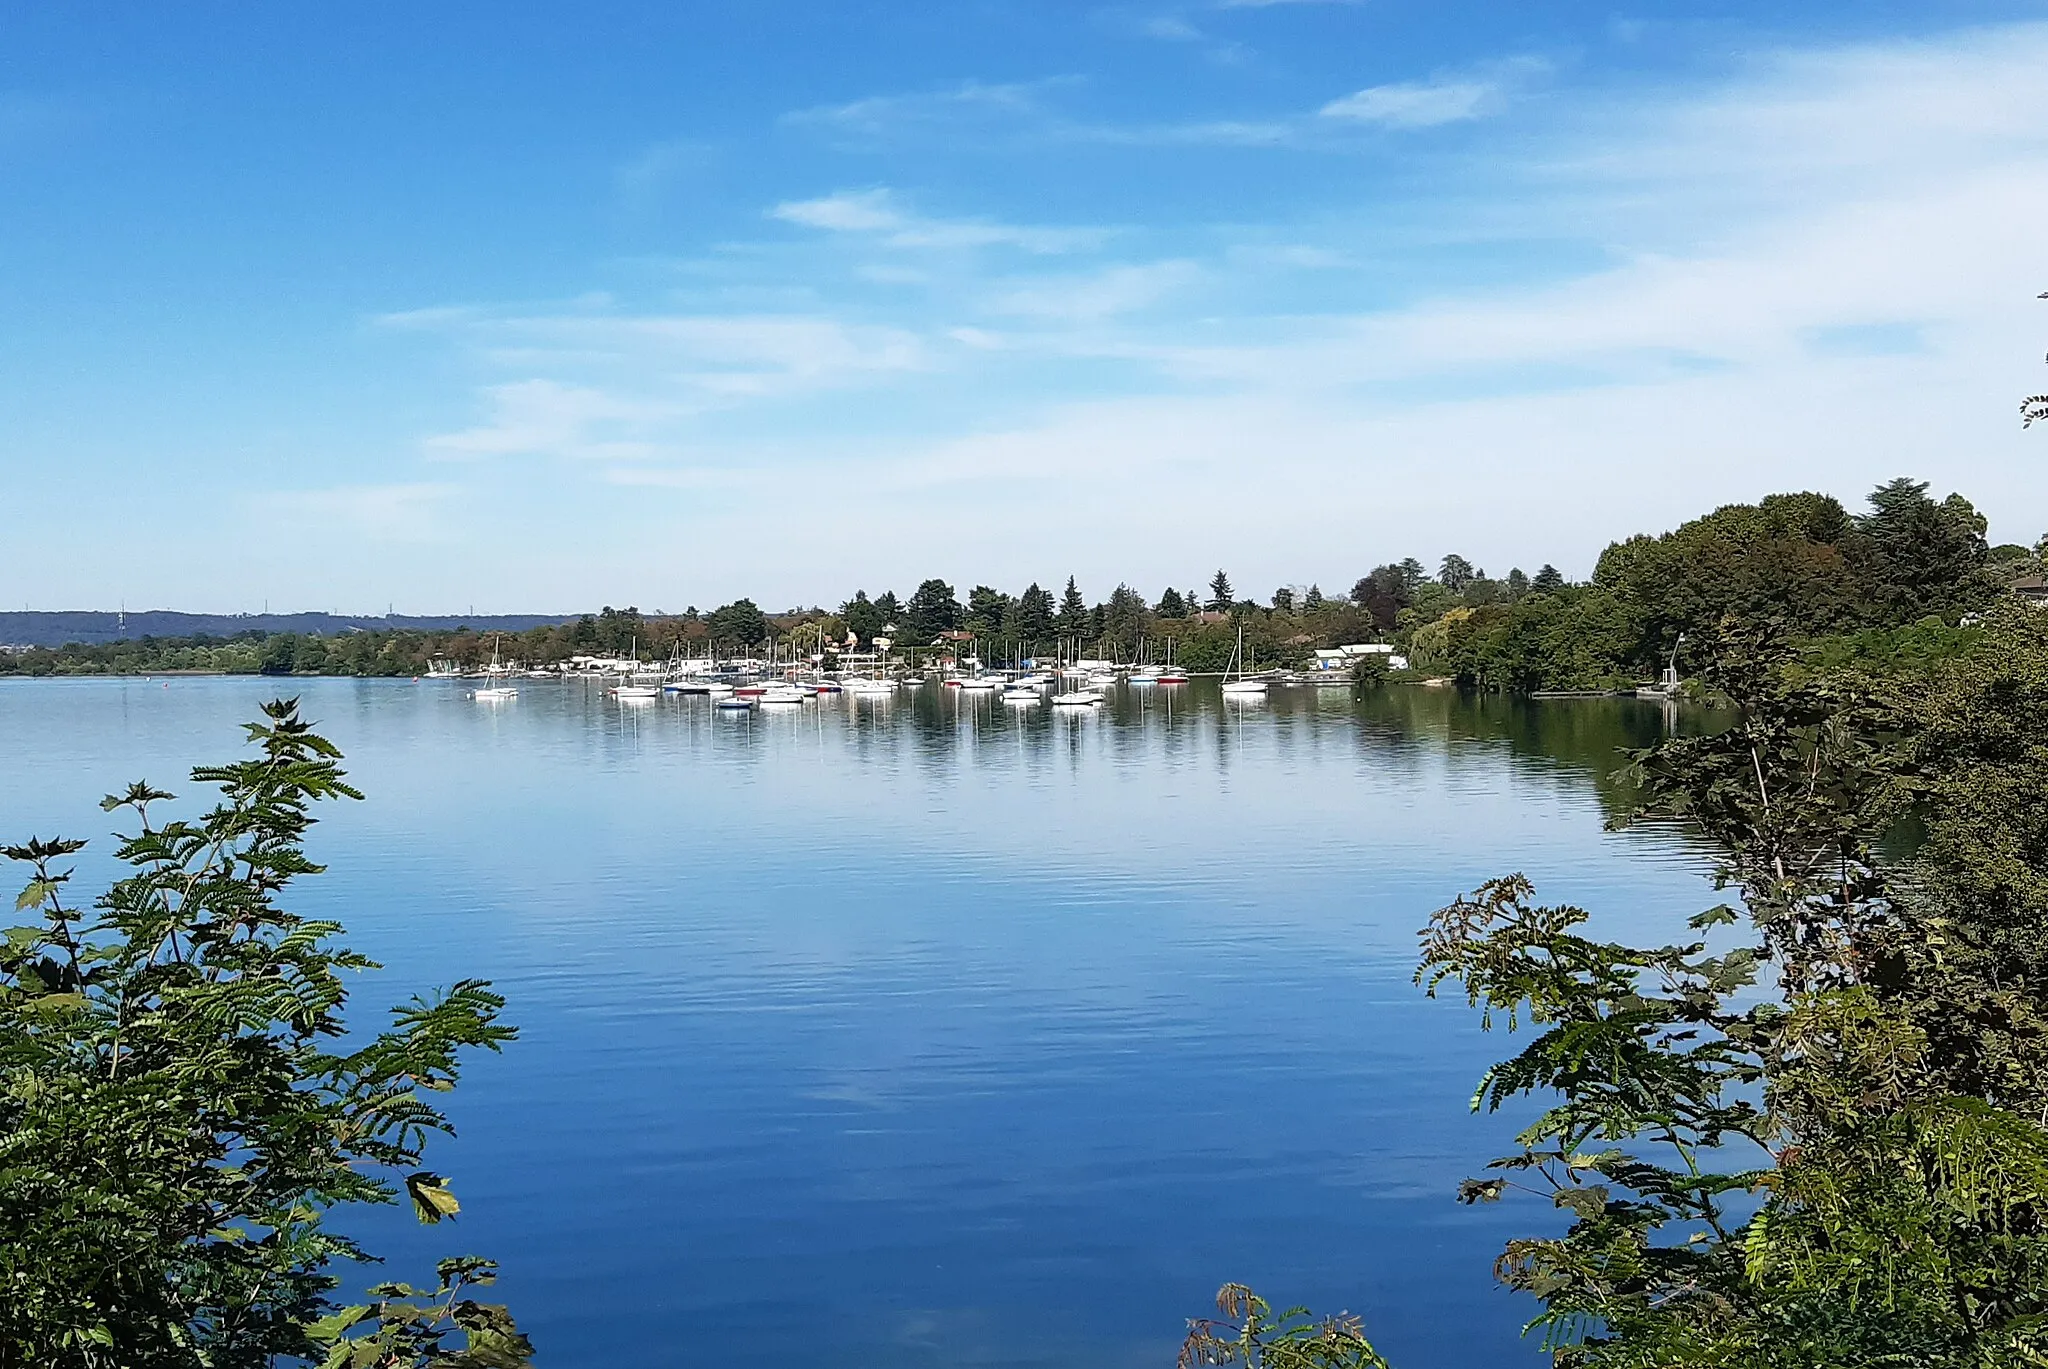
[{"x": 931, "y": 1033}]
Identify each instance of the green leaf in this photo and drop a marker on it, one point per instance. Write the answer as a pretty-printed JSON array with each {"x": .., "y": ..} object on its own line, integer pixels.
[
  {"x": 33, "y": 895},
  {"x": 330, "y": 1328},
  {"x": 1722, "y": 916},
  {"x": 431, "y": 1198},
  {"x": 1588, "y": 1202}
]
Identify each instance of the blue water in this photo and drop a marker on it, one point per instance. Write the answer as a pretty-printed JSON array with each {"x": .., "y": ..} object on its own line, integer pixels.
[{"x": 926, "y": 1033}]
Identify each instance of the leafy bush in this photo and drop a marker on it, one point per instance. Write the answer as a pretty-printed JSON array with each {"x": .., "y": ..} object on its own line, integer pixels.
[{"x": 178, "y": 1112}]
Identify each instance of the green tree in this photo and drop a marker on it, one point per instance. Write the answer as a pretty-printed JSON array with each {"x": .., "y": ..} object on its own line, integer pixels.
[
  {"x": 1283, "y": 600},
  {"x": 1125, "y": 618},
  {"x": 1921, "y": 557},
  {"x": 1518, "y": 583},
  {"x": 1313, "y": 600},
  {"x": 1220, "y": 597},
  {"x": 739, "y": 623},
  {"x": 1034, "y": 617},
  {"x": 1969, "y": 951},
  {"x": 619, "y": 629},
  {"x": 1382, "y": 594},
  {"x": 181, "y": 1106},
  {"x": 932, "y": 610},
  {"x": 1785, "y": 558},
  {"x": 1072, "y": 620},
  {"x": 1171, "y": 605},
  {"x": 1455, "y": 573},
  {"x": 987, "y": 612},
  {"x": 1548, "y": 580},
  {"x": 863, "y": 618},
  {"x": 280, "y": 654}
]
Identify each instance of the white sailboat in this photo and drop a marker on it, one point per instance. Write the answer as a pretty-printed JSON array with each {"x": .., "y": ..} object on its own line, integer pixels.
[
  {"x": 1241, "y": 687},
  {"x": 494, "y": 693},
  {"x": 627, "y": 691}
]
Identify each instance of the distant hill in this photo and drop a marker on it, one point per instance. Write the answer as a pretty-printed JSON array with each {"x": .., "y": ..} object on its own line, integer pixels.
[{"x": 96, "y": 629}]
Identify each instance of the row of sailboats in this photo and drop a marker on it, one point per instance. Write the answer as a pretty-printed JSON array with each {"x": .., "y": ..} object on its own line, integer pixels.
[{"x": 1072, "y": 684}]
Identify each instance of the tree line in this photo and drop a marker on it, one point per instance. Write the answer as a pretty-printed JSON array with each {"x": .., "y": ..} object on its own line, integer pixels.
[{"x": 1903, "y": 577}]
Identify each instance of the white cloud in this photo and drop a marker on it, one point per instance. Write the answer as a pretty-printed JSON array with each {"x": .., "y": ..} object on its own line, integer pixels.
[
  {"x": 1200, "y": 133},
  {"x": 1896, "y": 189},
  {"x": 1445, "y": 98},
  {"x": 865, "y": 211},
  {"x": 545, "y": 417},
  {"x": 876, "y": 212},
  {"x": 950, "y": 108},
  {"x": 651, "y": 371},
  {"x": 1417, "y": 104},
  {"x": 1097, "y": 295}
]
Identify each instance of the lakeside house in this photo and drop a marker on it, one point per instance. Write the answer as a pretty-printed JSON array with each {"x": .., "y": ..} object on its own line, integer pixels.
[
  {"x": 1345, "y": 657},
  {"x": 2033, "y": 589}
]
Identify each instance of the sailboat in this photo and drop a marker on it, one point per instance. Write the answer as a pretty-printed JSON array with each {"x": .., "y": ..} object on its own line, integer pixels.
[
  {"x": 1171, "y": 674},
  {"x": 494, "y": 693},
  {"x": 1241, "y": 686},
  {"x": 629, "y": 692},
  {"x": 1078, "y": 693}
]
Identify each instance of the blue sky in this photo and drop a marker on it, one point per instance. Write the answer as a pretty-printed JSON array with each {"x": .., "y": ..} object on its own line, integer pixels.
[{"x": 536, "y": 307}]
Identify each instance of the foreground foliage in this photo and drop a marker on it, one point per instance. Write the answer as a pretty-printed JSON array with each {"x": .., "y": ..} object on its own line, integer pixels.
[
  {"x": 1814, "y": 1134},
  {"x": 179, "y": 1111}
]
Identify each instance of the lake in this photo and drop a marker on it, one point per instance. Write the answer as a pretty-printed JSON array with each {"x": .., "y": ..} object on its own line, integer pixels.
[{"x": 930, "y": 1032}]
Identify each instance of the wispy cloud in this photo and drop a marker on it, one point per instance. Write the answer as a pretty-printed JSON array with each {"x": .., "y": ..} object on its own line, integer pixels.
[
  {"x": 1097, "y": 295},
  {"x": 545, "y": 417},
  {"x": 625, "y": 387},
  {"x": 877, "y": 213},
  {"x": 1443, "y": 99},
  {"x": 1198, "y": 133},
  {"x": 949, "y": 107},
  {"x": 1417, "y": 104}
]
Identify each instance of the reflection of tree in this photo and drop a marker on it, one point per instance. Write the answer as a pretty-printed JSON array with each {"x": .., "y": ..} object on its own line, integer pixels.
[{"x": 1586, "y": 736}]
